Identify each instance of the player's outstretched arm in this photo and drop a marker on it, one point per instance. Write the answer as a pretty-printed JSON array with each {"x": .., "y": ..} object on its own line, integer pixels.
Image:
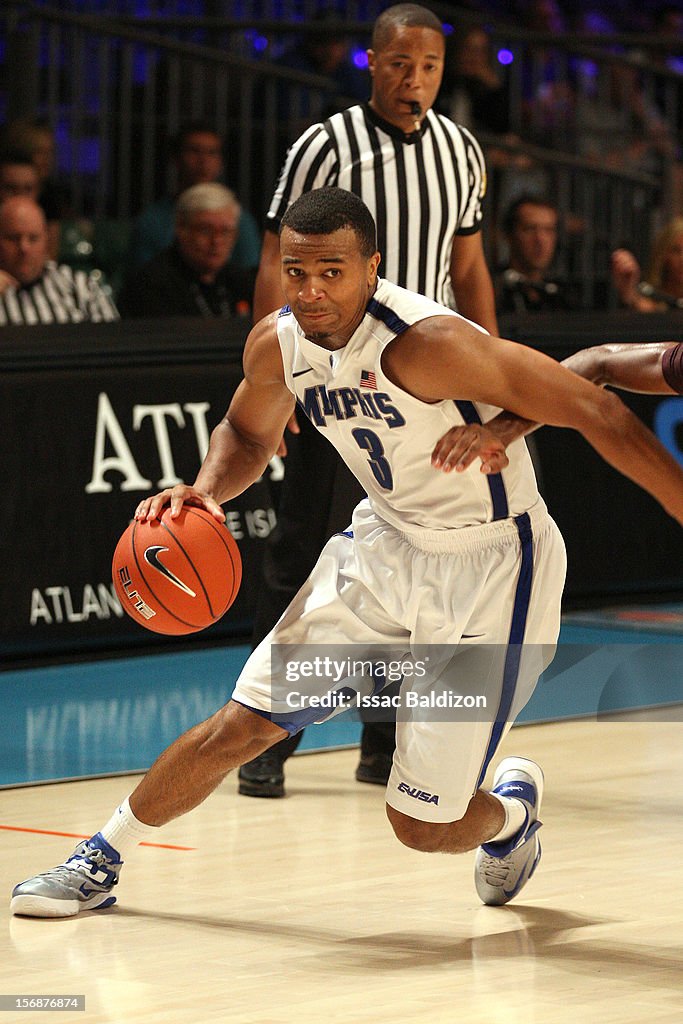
[
  {"x": 444, "y": 358},
  {"x": 246, "y": 438},
  {"x": 633, "y": 367}
]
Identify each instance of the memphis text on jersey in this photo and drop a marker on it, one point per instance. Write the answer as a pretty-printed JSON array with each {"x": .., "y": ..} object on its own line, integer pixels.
[{"x": 321, "y": 404}]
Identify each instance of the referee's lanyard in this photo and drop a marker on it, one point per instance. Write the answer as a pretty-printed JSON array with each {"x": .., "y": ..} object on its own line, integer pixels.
[{"x": 203, "y": 306}]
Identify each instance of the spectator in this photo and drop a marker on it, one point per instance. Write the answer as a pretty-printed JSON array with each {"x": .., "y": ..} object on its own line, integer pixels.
[
  {"x": 618, "y": 123},
  {"x": 548, "y": 92},
  {"x": 667, "y": 89},
  {"x": 78, "y": 242},
  {"x": 33, "y": 289},
  {"x": 324, "y": 51},
  {"x": 35, "y": 137},
  {"x": 197, "y": 154},
  {"x": 619, "y": 127},
  {"x": 667, "y": 26},
  {"x": 525, "y": 285},
  {"x": 18, "y": 175},
  {"x": 193, "y": 276},
  {"x": 477, "y": 97},
  {"x": 662, "y": 286}
]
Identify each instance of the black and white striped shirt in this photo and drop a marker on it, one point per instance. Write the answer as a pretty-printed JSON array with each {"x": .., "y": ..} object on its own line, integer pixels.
[
  {"x": 422, "y": 188},
  {"x": 61, "y": 295}
]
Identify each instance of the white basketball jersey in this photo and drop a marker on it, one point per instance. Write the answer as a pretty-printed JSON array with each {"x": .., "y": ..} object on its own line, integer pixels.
[{"x": 386, "y": 435}]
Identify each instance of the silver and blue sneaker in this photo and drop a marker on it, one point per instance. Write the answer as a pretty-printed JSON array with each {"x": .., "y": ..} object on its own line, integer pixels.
[
  {"x": 501, "y": 870},
  {"x": 84, "y": 882}
]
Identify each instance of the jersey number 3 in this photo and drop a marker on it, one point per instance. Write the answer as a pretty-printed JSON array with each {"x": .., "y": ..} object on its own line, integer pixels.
[{"x": 369, "y": 442}]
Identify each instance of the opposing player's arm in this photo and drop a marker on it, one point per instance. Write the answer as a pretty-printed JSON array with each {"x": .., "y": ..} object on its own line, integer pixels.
[
  {"x": 246, "y": 438},
  {"x": 633, "y": 367},
  {"x": 444, "y": 358}
]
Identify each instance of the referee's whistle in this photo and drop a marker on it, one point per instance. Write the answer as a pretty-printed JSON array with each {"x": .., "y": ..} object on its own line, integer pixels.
[{"x": 416, "y": 110}]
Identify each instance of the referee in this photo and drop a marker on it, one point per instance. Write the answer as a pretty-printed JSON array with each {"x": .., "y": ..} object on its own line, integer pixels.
[{"x": 423, "y": 179}]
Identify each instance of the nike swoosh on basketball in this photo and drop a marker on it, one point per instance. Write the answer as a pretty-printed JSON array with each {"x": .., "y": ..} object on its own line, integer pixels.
[
  {"x": 300, "y": 372},
  {"x": 151, "y": 556}
]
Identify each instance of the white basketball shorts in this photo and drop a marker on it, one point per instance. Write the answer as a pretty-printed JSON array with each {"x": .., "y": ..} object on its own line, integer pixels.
[{"x": 477, "y": 609}]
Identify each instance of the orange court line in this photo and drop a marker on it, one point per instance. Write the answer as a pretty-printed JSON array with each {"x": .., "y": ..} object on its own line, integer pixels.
[{"x": 76, "y": 835}]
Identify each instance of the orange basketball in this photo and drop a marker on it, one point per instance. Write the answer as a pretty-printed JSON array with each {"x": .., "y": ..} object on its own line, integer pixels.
[{"x": 177, "y": 576}]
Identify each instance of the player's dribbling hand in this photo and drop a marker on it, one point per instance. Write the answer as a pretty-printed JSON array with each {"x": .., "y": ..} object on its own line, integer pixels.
[
  {"x": 460, "y": 446},
  {"x": 176, "y": 497}
]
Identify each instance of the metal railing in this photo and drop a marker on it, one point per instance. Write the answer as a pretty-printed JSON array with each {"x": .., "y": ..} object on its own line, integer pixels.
[
  {"x": 115, "y": 96},
  {"x": 116, "y": 92},
  {"x": 600, "y": 209}
]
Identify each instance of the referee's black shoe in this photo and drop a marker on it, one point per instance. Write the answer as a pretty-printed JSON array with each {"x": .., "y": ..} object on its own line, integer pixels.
[
  {"x": 265, "y": 775},
  {"x": 374, "y": 768}
]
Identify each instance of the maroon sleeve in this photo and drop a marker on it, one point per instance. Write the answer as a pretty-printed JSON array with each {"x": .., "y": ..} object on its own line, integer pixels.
[{"x": 672, "y": 367}]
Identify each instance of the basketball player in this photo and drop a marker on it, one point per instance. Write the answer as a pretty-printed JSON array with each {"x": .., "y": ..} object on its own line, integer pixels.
[
  {"x": 654, "y": 368},
  {"x": 471, "y": 563},
  {"x": 424, "y": 179}
]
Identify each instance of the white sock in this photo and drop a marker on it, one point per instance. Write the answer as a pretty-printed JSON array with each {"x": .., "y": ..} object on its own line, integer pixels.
[
  {"x": 123, "y": 831},
  {"x": 515, "y": 816}
]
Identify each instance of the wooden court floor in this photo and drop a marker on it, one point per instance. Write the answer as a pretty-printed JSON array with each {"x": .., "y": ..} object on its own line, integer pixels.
[{"x": 307, "y": 910}]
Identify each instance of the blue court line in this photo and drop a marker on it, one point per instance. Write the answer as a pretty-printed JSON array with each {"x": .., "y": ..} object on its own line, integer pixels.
[{"x": 115, "y": 716}]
